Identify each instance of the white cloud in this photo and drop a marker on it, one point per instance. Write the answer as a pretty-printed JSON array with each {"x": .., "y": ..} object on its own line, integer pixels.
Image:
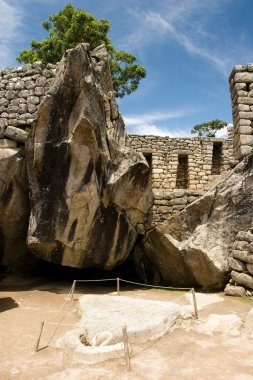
[
  {"x": 148, "y": 124},
  {"x": 10, "y": 23},
  {"x": 223, "y": 133},
  {"x": 155, "y": 130},
  {"x": 188, "y": 23},
  {"x": 156, "y": 116}
]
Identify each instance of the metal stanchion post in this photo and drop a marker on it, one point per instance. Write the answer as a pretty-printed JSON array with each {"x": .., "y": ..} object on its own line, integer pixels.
[
  {"x": 118, "y": 289},
  {"x": 126, "y": 348},
  {"x": 195, "y": 303},
  {"x": 73, "y": 290},
  {"x": 38, "y": 340}
]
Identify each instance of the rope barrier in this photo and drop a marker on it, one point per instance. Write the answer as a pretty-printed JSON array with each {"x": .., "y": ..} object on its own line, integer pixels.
[
  {"x": 153, "y": 286},
  {"x": 103, "y": 279},
  {"x": 71, "y": 294},
  {"x": 58, "y": 324}
]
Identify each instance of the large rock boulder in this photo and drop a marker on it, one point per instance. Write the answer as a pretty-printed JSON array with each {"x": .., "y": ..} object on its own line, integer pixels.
[
  {"x": 14, "y": 207},
  {"x": 193, "y": 247},
  {"x": 88, "y": 190}
]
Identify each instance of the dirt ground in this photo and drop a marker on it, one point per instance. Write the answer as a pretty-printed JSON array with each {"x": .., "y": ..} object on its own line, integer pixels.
[{"x": 182, "y": 354}]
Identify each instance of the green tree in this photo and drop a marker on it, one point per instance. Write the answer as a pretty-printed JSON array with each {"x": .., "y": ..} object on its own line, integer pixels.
[
  {"x": 72, "y": 26},
  {"x": 209, "y": 128}
]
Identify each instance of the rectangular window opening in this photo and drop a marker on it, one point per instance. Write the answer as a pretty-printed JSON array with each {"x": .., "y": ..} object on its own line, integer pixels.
[
  {"x": 217, "y": 158},
  {"x": 182, "y": 172}
]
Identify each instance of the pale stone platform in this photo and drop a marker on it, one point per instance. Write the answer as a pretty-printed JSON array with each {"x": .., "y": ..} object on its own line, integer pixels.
[{"x": 104, "y": 316}]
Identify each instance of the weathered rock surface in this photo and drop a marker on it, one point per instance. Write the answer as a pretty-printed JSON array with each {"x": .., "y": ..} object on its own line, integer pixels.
[
  {"x": 88, "y": 191},
  {"x": 14, "y": 208},
  {"x": 233, "y": 290},
  {"x": 242, "y": 279},
  {"x": 193, "y": 247}
]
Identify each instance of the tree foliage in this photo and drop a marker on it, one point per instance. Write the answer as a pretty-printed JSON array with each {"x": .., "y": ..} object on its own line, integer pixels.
[
  {"x": 209, "y": 128},
  {"x": 72, "y": 26}
]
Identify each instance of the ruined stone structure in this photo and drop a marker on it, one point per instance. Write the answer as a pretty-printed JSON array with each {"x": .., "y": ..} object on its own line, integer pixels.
[
  {"x": 241, "y": 87},
  {"x": 22, "y": 90},
  {"x": 76, "y": 190},
  {"x": 182, "y": 169}
]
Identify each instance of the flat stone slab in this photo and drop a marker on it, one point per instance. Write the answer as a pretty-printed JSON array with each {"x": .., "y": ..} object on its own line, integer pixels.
[{"x": 104, "y": 316}]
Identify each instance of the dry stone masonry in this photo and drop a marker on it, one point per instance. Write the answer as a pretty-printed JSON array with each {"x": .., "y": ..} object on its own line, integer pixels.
[
  {"x": 241, "y": 87},
  {"x": 182, "y": 169},
  {"x": 88, "y": 179},
  {"x": 241, "y": 263},
  {"x": 22, "y": 90}
]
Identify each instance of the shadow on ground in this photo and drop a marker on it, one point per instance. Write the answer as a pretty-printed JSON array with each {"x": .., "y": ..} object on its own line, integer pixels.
[{"x": 7, "y": 303}]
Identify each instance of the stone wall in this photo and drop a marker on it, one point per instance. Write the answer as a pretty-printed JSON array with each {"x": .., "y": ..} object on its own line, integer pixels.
[
  {"x": 182, "y": 168},
  {"x": 241, "y": 265},
  {"x": 171, "y": 191},
  {"x": 22, "y": 90},
  {"x": 241, "y": 88}
]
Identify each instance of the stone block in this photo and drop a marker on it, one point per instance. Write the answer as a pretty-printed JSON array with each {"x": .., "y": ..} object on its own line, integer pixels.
[
  {"x": 39, "y": 91},
  {"x": 243, "y": 77},
  {"x": 16, "y": 134},
  {"x": 242, "y": 93},
  {"x": 244, "y": 100},
  {"x": 246, "y": 115},
  {"x": 6, "y": 143},
  {"x": 4, "y": 102},
  {"x": 29, "y": 84},
  {"x": 232, "y": 290},
  {"x": 246, "y": 140},
  {"x": 19, "y": 85},
  {"x": 245, "y": 236},
  {"x": 243, "y": 256},
  {"x": 241, "y": 245},
  {"x": 3, "y": 125},
  {"x": 157, "y": 171},
  {"x": 250, "y": 268},
  {"x": 245, "y": 129},
  {"x": 243, "y": 107},
  {"x": 178, "y": 201},
  {"x": 237, "y": 265},
  {"x": 242, "y": 151},
  {"x": 240, "y": 86},
  {"x": 242, "y": 279},
  {"x": 179, "y": 193}
]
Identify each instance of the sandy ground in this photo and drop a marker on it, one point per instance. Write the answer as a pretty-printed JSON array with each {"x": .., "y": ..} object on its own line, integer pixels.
[{"x": 184, "y": 353}]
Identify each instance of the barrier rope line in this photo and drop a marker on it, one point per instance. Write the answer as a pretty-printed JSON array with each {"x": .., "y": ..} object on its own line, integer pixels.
[
  {"x": 72, "y": 290},
  {"x": 153, "y": 286},
  {"x": 58, "y": 324}
]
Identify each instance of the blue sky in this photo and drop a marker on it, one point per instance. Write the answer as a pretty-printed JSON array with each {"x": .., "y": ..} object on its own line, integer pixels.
[{"x": 188, "y": 47}]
